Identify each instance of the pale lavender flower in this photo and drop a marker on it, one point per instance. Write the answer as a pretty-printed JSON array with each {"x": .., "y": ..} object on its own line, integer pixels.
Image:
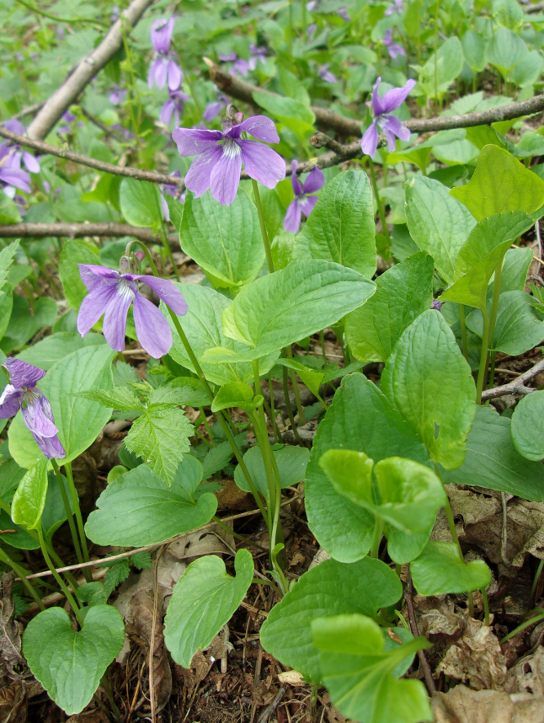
[
  {"x": 215, "y": 107},
  {"x": 392, "y": 48},
  {"x": 125, "y": 132},
  {"x": 437, "y": 305},
  {"x": 31, "y": 163},
  {"x": 173, "y": 106},
  {"x": 326, "y": 75},
  {"x": 343, "y": 13},
  {"x": 220, "y": 155},
  {"x": 11, "y": 173},
  {"x": 257, "y": 54},
  {"x": 170, "y": 190},
  {"x": 118, "y": 95},
  {"x": 389, "y": 124},
  {"x": 112, "y": 292},
  {"x": 302, "y": 203},
  {"x": 310, "y": 30},
  {"x": 239, "y": 65},
  {"x": 114, "y": 13},
  {"x": 396, "y": 7},
  {"x": 22, "y": 393},
  {"x": 164, "y": 68},
  {"x": 68, "y": 118},
  {"x": 311, "y": 6},
  {"x": 60, "y": 32}
]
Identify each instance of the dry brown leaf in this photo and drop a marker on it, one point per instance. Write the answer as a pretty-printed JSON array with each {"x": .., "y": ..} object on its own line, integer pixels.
[
  {"x": 462, "y": 705},
  {"x": 527, "y": 675},
  {"x": 437, "y": 617},
  {"x": 476, "y": 657},
  {"x": 292, "y": 677},
  {"x": 10, "y": 638},
  {"x": 196, "y": 544},
  {"x": 14, "y": 702},
  {"x": 95, "y": 716}
]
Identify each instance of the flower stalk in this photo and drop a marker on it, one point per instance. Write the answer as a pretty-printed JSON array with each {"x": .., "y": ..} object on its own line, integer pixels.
[{"x": 264, "y": 232}]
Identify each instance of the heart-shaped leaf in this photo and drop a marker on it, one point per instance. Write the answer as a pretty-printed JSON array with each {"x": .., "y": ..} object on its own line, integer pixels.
[
  {"x": 440, "y": 569},
  {"x": 204, "y": 599},
  {"x": 291, "y": 461},
  {"x": 29, "y": 499},
  {"x": 69, "y": 663}
]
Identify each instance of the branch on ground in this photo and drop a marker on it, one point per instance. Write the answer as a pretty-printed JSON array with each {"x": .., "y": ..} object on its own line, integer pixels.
[{"x": 517, "y": 386}]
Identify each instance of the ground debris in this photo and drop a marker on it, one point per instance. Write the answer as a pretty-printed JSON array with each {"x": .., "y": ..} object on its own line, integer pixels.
[{"x": 462, "y": 705}]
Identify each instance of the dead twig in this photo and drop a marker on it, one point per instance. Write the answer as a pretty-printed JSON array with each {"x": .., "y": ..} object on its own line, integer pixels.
[
  {"x": 517, "y": 386},
  {"x": 81, "y": 230},
  {"x": 269, "y": 711},
  {"x": 409, "y": 597}
]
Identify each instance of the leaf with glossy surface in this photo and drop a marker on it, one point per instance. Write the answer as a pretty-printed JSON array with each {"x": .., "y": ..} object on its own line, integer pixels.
[
  {"x": 295, "y": 302},
  {"x": 79, "y": 420},
  {"x": 438, "y": 223},
  {"x": 69, "y": 663},
  {"x": 528, "y": 426},
  {"x": 500, "y": 183},
  {"x": 362, "y": 419},
  {"x": 140, "y": 509},
  {"x": 402, "y": 293},
  {"x": 360, "y": 673},
  {"x": 440, "y": 569},
  {"x": 53, "y": 348},
  {"x": 204, "y": 599},
  {"x": 341, "y": 228},
  {"x": 235, "y": 394},
  {"x": 224, "y": 240},
  {"x": 140, "y": 203},
  {"x": 430, "y": 383},
  {"x": 29, "y": 499},
  {"x": 291, "y": 461},
  {"x": 493, "y": 462},
  {"x": 331, "y": 588}
]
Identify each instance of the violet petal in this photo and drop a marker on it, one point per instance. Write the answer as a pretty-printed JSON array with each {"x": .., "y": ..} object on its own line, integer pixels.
[
  {"x": 166, "y": 291},
  {"x": 307, "y": 204},
  {"x": 22, "y": 374},
  {"x": 292, "y": 218},
  {"x": 369, "y": 142},
  {"x": 115, "y": 317},
  {"x": 295, "y": 182},
  {"x": 93, "y": 306},
  {"x": 198, "y": 176},
  {"x": 225, "y": 176},
  {"x": 152, "y": 329},
  {"x": 38, "y": 417},
  {"x": 10, "y": 401},
  {"x": 192, "y": 141},
  {"x": 315, "y": 181},
  {"x": 395, "y": 97},
  {"x": 262, "y": 163},
  {"x": 260, "y": 127}
]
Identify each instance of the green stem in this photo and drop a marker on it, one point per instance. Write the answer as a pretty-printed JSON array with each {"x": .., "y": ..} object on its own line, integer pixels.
[
  {"x": 167, "y": 248},
  {"x": 381, "y": 210},
  {"x": 272, "y": 411},
  {"x": 245, "y": 539},
  {"x": 376, "y": 538},
  {"x": 264, "y": 232},
  {"x": 436, "y": 51},
  {"x": 494, "y": 310},
  {"x": 60, "y": 581},
  {"x": 289, "y": 354},
  {"x": 304, "y": 20},
  {"x": 520, "y": 628},
  {"x": 79, "y": 518},
  {"x": 258, "y": 581},
  {"x": 105, "y": 683},
  {"x": 486, "y": 606},
  {"x": 288, "y": 406},
  {"x": 21, "y": 572},
  {"x": 464, "y": 344},
  {"x": 483, "y": 357},
  {"x": 68, "y": 510},
  {"x": 493, "y": 357},
  {"x": 207, "y": 427},
  {"x": 536, "y": 578}
]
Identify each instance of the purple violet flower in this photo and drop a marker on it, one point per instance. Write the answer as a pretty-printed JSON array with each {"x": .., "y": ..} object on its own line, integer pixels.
[
  {"x": 173, "y": 106},
  {"x": 310, "y": 30},
  {"x": 257, "y": 54},
  {"x": 215, "y": 107},
  {"x": 311, "y": 6},
  {"x": 326, "y": 75},
  {"x": 114, "y": 13},
  {"x": 437, "y": 305},
  {"x": 391, "y": 126},
  {"x": 302, "y": 203},
  {"x": 67, "y": 117},
  {"x": 112, "y": 292},
  {"x": 164, "y": 67},
  {"x": 118, "y": 95},
  {"x": 11, "y": 173},
  {"x": 170, "y": 190},
  {"x": 392, "y": 48},
  {"x": 239, "y": 64},
  {"x": 343, "y": 13},
  {"x": 220, "y": 155},
  {"x": 32, "y": 164},
  {"x": 22, "y": 393},
  {"x": 396, "y": 7}
]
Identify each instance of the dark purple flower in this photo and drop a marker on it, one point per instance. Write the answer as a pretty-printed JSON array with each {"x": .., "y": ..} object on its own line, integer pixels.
[
  {"x": 392, "y": 48},
  {"x": 118, "y": 95},
  {"x": 343, "y": 13},
  {"x": 397, "y": 7},
  {"x": 437, "y": 305},
  {"x": 164, "y": 67},
  {"x": 215, "y": 107},
  {"x": 302, "y": 203},
  {"x": 112, "y": 292},
  {"x": 173, "y": 106},
  {"x": 391, "y": 126},
  {"x": 22, "y": 393},
  {"x": 220, "y": 155},
  {"x": 326, "y": 75}
]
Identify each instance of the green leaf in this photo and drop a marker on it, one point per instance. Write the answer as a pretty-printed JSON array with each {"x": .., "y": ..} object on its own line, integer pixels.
[
  {"x": 402, "y": 293},
  {"x": 361, "y": 419},
  {"x": 140, "y": 509},
  {"x": 224, "y": 240},
  {"x": 311, "y": 378},
  {"x": 204, "y": 599},
  {"x": 430, "y": 383},
  {"x": 191, "y": 391},
  {"x": 175, "y": 209},
  {"x": 160, "y": 436},
  {"x": 292, "y": 113},
  {"x": 69, "y": 663},
  {"x": 514, "y": 270},
  {"x": 291, "y": 461},
  {"x": 442, "y": 67},
  {"x": 341, "y": 228},
  {"x": 474, "y": 51},
  {"x": 292, "y": 87},
  {"x": 6, "y": 259},
  {"x": 440, "y": 569},
  {"x": 438, "y": 223},
  {"x": 54, "y": 513},
  {"x": 505, "y": 50},
  {"x": 297, "y": 301},
  {"x": 19, "y": 538},
  {"x": 236, "y": 394},
  {"x": 518, "y": 326},
  {"x": 330, "y": 588},
  {"x": 6, "y": 306},
  {"x": 9, "y": 213},
  {"x": 409, "y": 493},
  {"x": 74, "y": 253},
  {"x": 203, "y": 328},
  {"x": 500, "y": 183},
  {"x": 481, "y": 254},
  {"x": 528, "y": 70},
  {"x": 53, "y": 348},
  {"x": 141, "y": 204},
  {"x": 22, "y": 325},
  {"x": 528, "y": 426},
  {"x": 117, "y": 573},
  {"x": 124, "y": 399},
  {"x": 360, "y": 674},
  {"x": 29, "y": 499},
  {"x": 493, "y": 462},
  {"x": 79, "y": 420}
]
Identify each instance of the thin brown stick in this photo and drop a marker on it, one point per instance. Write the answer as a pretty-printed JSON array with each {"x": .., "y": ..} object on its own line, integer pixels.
[
  {"x": 153, "y": 629},
  {"x": 517, "y": 386},
  {"x": 81, "y": 230},
  {"x": 409, "y": 597},
  {"x": 327, "y": 119}
]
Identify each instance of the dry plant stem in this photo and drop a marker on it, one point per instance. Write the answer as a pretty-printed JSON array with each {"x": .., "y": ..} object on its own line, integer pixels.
[
  {"x": 5, "y": 558},
  {"x": 59, "y": 580},
  {"x": 517, "y": 386},
  {"x": 68, "y": 510},
  {"x": 409, "y": 597},
  {"x": 81, "y": 230},
  {"x": 79, "y": 518},
  {"x": 264, "y": 232},
  {"x": 152, "y": 641},
  {"x": 64, "y": 96}
]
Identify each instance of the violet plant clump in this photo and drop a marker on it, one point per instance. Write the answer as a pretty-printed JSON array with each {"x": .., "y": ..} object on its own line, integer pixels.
[{"x": 389, "y": 124}]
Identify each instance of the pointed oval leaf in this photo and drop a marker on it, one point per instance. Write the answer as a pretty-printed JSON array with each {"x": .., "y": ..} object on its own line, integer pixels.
[
  {"x": 140, "y": 509},
  {"x": 528, "y": 426},
  {"x": 69, "y": 663},
  {"x": 141, "y": 203},
  {"x": 234, "y": 394},
  {"x": 204, "y": 599},
  {"x": 29, "y": 499},
  {"x": 331, "y": 588},
  {"x": 440, "y": 569},
  {"x": 350, "y": 473},
  {"x": 291, "y": 461},
  {"x": 428, "y": 380}
]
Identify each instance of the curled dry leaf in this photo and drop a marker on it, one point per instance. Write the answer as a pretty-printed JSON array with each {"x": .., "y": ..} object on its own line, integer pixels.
[
  {"x": 10, "y": 638},
  {"x": 291, "y": 677},
  {"x": 527, "y": 675},
  {"x": 476, "y": 657},
  {"x": 462, "y": 705}
]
